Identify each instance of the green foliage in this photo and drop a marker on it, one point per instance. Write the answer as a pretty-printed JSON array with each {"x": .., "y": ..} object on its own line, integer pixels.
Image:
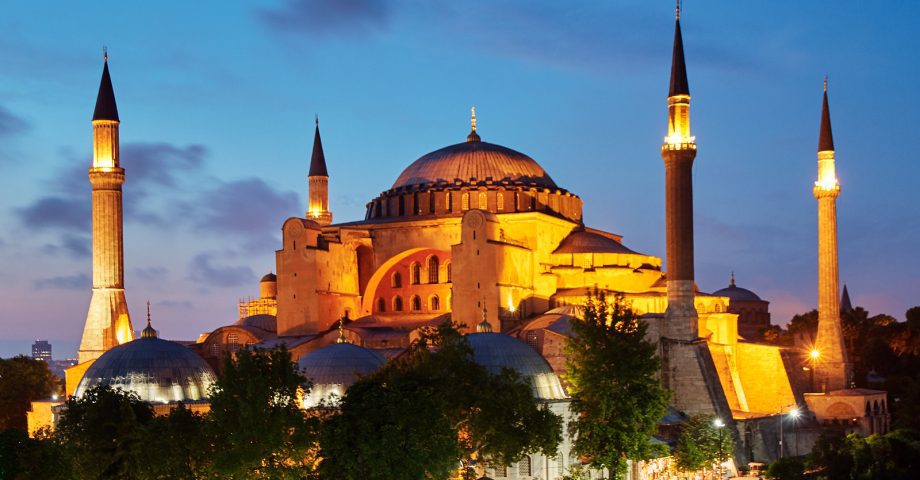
[
  {"x": 788, "y": 468},
  {"x": 421, "y": 414},
  {"x": 894, "y": 456},
  {"x": 22, "y": 381},
  {"x": 24, "y": 458},
  {"x": 612, "y": 371},
  {"x": 700, "y": 444},
  {"x": 175, "y": 447},
  {"x": 255, "y": 422},
  {"x": 102, "y": 433}
]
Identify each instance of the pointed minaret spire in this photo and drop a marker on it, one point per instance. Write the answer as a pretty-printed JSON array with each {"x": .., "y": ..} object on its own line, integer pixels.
[
  {"x": 318, "y": 177},
  {"x": 846, "y": 306},
  {"x": 679, "y": 84},
  {"x": 732, "y": 283},
  {"x": 826, "y": 137},
  {"x": 106, "y": 109}
]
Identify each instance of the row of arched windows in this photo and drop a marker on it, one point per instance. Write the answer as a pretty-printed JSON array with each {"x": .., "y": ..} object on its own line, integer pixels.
[
  {"x": 415, "y": 304},
  {"x": 415, "y": 273},
  {"x": 524, "y": 469}
]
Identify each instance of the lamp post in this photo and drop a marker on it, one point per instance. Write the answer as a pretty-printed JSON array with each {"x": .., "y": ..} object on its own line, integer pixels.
[
  {"x": 719, "y": 424},
  {"x": 794, "y": 414}
]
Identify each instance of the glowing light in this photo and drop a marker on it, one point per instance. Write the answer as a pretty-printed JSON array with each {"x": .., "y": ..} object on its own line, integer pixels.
[
  {"x": 676, "y": 138},
  {"x": 815, "y": 354},
  {"x": 123, "y": 332},
  {"x": 54, "y": 397},
  {"x": 827, "y": 183},
  {"x": 511, "y": 305},
  {"x": 718, "y": 423},
  {"x": 794, "y": 413}
]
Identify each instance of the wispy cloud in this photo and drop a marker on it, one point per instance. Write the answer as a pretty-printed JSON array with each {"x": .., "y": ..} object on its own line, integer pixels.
[
  {"x": 313, "y": 18},
  {"x": 203, "y": 270},
  {"x": 67, "y": 282},
  {"x": 11, "y": 124},
  {"x": 151, "y": 274},
  {"x": 67, "y": 214}
]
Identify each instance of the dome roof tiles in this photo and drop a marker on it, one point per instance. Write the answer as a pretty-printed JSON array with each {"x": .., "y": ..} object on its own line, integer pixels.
[
  {"x": 334, "y": 368},
  {"x": 474, "y": 160},
  {"x": 737, "y": 294},
  {"x": 496, "y": 351},
  {"x": 156, "y": 370}
]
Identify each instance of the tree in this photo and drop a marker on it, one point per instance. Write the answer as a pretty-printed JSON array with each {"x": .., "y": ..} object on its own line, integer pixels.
[
  {"x": 24, "y": 458},
  {"x": 702, "y": 444},
  {"x": 788, "y": 468},
  {"x": 22, "y": 381},
  {"x": 175, "y": 446},
  {"x": 102, "y": 433},
  {"x": 895, "y": 456},
  {"x": 255, "y": 422},
  {"x": 616, "y": 396},
  {"x": 441, "y": 406}
]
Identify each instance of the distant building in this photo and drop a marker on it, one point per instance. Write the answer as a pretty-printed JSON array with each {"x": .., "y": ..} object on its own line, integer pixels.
[{"x": 41, "y": 350}]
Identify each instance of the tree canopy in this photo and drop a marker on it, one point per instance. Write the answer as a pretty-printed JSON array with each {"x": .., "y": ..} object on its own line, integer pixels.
[
  {"x": 437, "y": 403},
  {"x": 612, "y": 371},
  {"x": 702, "y": 444},
  {"x": 22, "y": 381}
]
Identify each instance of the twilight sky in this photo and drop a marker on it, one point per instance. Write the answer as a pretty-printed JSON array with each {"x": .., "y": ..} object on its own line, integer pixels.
[{"x": 217, "y": 101}]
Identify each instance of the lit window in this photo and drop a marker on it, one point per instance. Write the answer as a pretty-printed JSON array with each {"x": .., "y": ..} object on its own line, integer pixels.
[
  {"x": 483, "y": 203},
  {"x": 416, "y": 303},
  {"x": 435, "y": 303},
  {"x": 500, "y": 199},
  {"x": 465, "y": 201},
  {"x": 233, "y": 342},
  {"x": 433, "y": 269}
]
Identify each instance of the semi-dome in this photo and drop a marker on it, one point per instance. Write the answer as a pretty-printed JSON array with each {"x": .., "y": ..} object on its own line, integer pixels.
[
  {"x": 334, "y": 368},
  {"x": 496, "y": 351},
  {"x": 583, "y": 241},
  {"x": 158, "y": 371},
  {"x": 474, "y": 160}
]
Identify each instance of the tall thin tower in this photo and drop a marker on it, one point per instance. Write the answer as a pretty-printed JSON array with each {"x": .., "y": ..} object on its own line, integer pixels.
[
  {"x": 678, "y": 152},
  {"x": 107, "y": 322},
  {"x": 831, "y": 367},
  {"x": 318, "y": 201}
]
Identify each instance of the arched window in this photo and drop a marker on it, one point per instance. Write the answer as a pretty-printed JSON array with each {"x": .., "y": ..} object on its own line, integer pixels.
[
  {"x": 501, "y": 471},
  {"x": 450, "y": 201},
  {"x": 233, "y": 342},
  {"x": 448, "y": 272},
  {"x": 524, "y": 467},
  {"x": 397, "y": 304},
  {"x": 433, "y": 269},
  {"x": 415, "y": 205},
  {"x": 483, "y": 203},
  {"x": 381, "y": 305},
  {"x": 431, "y": 202},
  {"x": 500, "y": 200},
  {"x": 215, "y": 349},
  {"x": 465, "y": 201},
  {"x": 396, "y": 280},
  {"x": 718, "y": 308},
  {"x": 435, "y": 303},
  {"x": 415, "y": 272},
  {"x": 416, "y": 303},
  {"x": 402, "y": 205}
]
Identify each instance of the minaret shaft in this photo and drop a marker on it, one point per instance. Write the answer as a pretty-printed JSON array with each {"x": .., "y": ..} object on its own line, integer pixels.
[{"x": 108, "y": 323}]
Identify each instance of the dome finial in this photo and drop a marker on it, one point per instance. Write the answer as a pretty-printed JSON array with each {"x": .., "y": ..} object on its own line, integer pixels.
[
  {"x": 484, "y": 326},
  {"x": 677, "y": 11},
  {"x": 342, "y": 338},
  {"x": 732, "y": 283},
  {"x": 825, "y": 83},
  {"x": 148, "y": 331},
  {"x": 473, "y": 136},
  {"x": 105, "y": 54}
]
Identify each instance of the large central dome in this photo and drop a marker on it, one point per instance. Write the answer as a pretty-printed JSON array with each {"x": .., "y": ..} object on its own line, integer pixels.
[{"x": 477, "y": 160}]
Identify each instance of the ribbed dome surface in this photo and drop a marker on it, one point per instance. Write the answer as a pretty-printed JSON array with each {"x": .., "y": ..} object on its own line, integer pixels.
[
  {"x": 496, "y": 351},
  {"x": 334, "y": 368},
  {"x": 475, "y": 159},
  {"x": 156, "y": 370}
]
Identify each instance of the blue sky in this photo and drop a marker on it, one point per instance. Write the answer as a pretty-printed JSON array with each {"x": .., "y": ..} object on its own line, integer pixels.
[{"x": 217, "y": 102}]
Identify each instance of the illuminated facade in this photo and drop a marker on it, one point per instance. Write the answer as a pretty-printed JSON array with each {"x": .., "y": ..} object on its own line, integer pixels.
[{"x": 107, "y": 322}]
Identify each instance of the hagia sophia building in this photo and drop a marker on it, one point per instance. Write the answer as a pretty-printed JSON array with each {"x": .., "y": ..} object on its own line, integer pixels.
[{"x": 480, "y": 234}]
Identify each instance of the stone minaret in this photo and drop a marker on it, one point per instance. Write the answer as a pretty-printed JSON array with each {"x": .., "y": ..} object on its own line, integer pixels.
[
  {"x": 318, "y": 208},
  {"x": 107, "y": 322},
  {"x": 831, "y": 367},
  {"x": 678, "y": 152}
]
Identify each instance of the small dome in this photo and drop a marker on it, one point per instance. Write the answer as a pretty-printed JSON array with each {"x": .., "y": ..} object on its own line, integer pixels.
[
  {"x": 582, "y": 241},
  {"x": 263, "y": 321},
  {"x": 269, "y": 277},
  {"x": 737, "y": 294},
  {"x": 496, "y": 351},
  {"x": 474, "y": 159},
  {"x": 334, "y": 368},
  {"x": 158, "y": 371}
]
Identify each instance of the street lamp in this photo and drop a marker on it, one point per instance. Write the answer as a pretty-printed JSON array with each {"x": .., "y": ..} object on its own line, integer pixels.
[
  {"x": 719, "y": 424},
  {"x": 794, "y": 413}
]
